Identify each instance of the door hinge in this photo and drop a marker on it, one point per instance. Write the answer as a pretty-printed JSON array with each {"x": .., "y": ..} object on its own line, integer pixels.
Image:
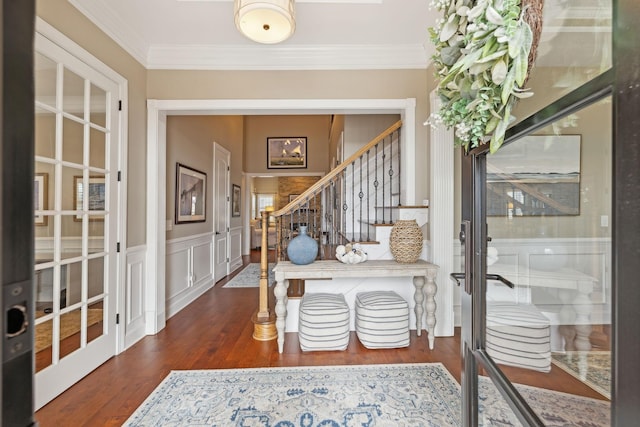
[
  {"x": 118, "y": 247},
  {"x": 119, "y": 176},
  {"x": 228, "y": 168},
  {"x": 227, "y": 259},
  {"x": 117, "y": 318},
  {"x": 119, "y": 105}
]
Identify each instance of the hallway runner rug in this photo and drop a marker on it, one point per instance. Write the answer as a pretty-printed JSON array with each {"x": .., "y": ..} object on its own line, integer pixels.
[
  {"x": 591, "y": 367},
  {"x": 330, "y": 396},
  {"x": 249, "y": 277}
]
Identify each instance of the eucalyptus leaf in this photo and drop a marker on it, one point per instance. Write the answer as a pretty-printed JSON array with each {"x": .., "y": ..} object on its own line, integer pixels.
[
  {"x": 462, "y": 10},
  {"x": 520, "y": 64},
  {"x": 493, "y": 16},
  {"x": 476, "y": 11},
  {"x": 522, "y": 95},
  {"x": 493, "y": 56},
  {"x": 491, "y": 125},
  {"x": 515, "y": 42},
  {"x": 499, "y": 72},
  {"x": 479, "y": 68},
  {"x": 498, "y": 135},
  {"x": 449, "y": 55},
  {"x": 527, "y": 39},
  {"x": 448, "y": 30},
  {"x": 507, "y": 86}
]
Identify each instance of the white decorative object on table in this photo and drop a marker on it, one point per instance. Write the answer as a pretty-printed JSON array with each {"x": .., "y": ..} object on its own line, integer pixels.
[
  {"x": 350, "y": 254},
  {"x": 492, "y": 255}
]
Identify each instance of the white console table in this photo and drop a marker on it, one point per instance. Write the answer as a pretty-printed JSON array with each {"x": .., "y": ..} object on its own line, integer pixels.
[
  {"x": 423, "y": 274},
  {"x": 574, "y": 289}
]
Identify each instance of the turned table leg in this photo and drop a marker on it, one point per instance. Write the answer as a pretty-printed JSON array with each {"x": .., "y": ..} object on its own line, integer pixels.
[
  {"x": 430, "y": 289},
  {"x": 418, "y": 297},
  {"x": 280, "y": 292}
]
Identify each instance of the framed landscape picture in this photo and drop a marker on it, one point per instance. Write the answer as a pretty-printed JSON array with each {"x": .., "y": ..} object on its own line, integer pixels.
[
  {"x": 537, "y": 176},
  {"x": 235, "y": 200},
  {"x": 40, "y": 197},
  {"x": 95, "y": 194},
  {"x": 287, "y": 152},
  {"x": 191, "y": 191}
]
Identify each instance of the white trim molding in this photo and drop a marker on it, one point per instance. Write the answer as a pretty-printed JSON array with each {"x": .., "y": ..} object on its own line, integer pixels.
[
  {"x": 441, "y": 227},
  {"x": 157, "y": 112}
]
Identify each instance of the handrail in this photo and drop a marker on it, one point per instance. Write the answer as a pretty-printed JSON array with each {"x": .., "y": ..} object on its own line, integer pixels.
[{"x": 325, "y": 180}]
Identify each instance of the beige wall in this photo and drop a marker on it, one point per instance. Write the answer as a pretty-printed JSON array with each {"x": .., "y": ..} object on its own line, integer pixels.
[
  {"x": 177, "y": 84},
  {"x": 259, "y": 128},
  {"x": 360, "y": 129},
  {"x": 190, "y": 142},
  {"x": 336, "y": 132},
  {"x": 350, "y": 84},
  {"x": 68, "y": 20},
  {"x": 593, "y": 124}
]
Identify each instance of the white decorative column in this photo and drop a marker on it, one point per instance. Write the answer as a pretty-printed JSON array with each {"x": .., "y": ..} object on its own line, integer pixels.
[{"x": 441, "y": 226}]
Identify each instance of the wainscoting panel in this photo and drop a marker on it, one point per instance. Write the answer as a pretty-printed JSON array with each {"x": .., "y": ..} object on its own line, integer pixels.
[
  {"x": 588, "y": 257},
  {"x": 189, "y": 270},
  {"x": 235, "y": 251},
  {"x": 201, "y": 259},
  {"x": 133, "y": 316}
]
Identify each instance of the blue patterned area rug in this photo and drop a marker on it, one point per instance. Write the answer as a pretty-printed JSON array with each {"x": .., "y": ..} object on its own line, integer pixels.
[
  {"x": 591, "y": 367},
  {"x": 249, "y": 277},
  {"x": 331, "y": 396}
]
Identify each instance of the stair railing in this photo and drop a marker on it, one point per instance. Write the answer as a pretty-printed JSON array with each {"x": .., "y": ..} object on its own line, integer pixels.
[{"x": 345, "y": 205}]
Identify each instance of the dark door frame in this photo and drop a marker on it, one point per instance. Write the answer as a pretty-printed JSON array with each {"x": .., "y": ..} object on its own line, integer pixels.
[
  {"x": 622, "y": 83},
  {"x": 17, "y": 220}
]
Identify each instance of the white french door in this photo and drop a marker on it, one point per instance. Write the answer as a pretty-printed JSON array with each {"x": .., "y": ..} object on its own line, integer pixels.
[{"x": 76, "y": 206}]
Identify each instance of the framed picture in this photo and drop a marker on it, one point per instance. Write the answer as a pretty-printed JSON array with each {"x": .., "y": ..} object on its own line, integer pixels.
[
  {"x": 96, "y": 196},
  {"x": 235, "y": 200},
  {"x": 40, "y": 197},
  {"x": 536, "y": 176},
  {"x": 191, "y": 191},
  {"x": 287, "y": 153}
]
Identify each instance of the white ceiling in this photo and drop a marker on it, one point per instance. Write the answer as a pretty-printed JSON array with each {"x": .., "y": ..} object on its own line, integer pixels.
[{"x": 330, "y": 34}]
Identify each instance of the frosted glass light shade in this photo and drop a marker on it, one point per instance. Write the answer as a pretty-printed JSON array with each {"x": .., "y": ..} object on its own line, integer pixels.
[{"x": 265, "y": 21}]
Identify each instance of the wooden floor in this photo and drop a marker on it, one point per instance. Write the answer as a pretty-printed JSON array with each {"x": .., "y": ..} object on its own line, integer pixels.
[{"x": 215, "y": 332}]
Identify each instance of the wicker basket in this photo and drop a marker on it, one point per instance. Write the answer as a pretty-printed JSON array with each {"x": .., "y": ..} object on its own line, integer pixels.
[{"x": 406, "y": 241}]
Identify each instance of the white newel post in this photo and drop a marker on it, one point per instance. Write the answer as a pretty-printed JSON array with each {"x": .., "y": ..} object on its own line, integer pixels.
[{"x": 441, "y": 226}]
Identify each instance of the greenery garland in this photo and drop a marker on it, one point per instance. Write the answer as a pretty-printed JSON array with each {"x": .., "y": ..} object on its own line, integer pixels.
[{"x": 482, "y": 61}]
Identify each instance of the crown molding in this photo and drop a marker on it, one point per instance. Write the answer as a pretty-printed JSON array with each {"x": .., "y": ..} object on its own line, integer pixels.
[
  {"x": 231, "y": 57},
  {"x": 126, "y": 37},
  {"x": 316, "y": 57}
]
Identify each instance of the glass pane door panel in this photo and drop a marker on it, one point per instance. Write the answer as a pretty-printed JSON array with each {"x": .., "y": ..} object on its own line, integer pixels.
[
  {"x": 95, "y": 277},
  {"x": 72, "y": 290},
  {"x": 45, "y": 79},
  {"x": 96, "y": 234},
  {"x": 70, "y": 332},
  {"x": 95, "y": 320},
  {"x": 43, "y": 341},
  {"x": 72, "y": 141},
  {"x": 548, "y": 214},
  {"x": 71, "y": 241},
  {"x": 575, "y": 47},
  {"x": 97, "y": 153},
  {"x": 73, "y": 90},
  {"x": 45, "y": 133},
  {"x": 98, "y": 106}
]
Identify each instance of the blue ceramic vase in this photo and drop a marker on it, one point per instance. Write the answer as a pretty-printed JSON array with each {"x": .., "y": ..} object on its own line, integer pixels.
[{"x": 302, "y": 249}]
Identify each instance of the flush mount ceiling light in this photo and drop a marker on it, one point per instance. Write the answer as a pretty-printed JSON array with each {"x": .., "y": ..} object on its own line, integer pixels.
[{"x": 265, "y": 21}]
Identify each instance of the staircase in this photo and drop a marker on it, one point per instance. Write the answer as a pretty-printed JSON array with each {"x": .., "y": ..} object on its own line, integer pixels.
[{"x": 357, "y": 202}]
